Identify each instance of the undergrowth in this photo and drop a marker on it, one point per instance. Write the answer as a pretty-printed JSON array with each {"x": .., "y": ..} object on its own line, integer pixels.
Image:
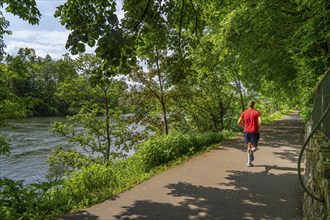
[{"x": 97, "y": 181}]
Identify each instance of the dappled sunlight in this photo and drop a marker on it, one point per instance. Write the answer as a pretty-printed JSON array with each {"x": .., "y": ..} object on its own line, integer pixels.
[
  {"x": 201, "y": 202},
  {"x": 222, "y": 187},
  {"x": 249, "y": 202}
]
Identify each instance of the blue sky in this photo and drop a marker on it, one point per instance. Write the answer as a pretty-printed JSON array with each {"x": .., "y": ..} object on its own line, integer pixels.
[{"x": 49, "y": 37}]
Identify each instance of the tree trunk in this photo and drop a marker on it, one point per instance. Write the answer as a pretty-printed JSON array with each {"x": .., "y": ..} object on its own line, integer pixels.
[
  {"x": 162, "y": 98},
  {"x": 107, "y": 121},
  {"x": 239, "y": 89}
]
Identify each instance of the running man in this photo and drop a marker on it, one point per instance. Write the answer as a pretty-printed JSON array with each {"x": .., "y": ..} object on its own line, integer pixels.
[{"x": 251, "y": 120}]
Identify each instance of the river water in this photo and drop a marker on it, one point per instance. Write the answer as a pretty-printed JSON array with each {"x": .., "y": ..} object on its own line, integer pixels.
[{"x": 32, "y": 144}]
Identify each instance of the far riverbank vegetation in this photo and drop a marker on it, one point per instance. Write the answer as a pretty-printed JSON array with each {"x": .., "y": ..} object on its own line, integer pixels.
[{"x": 167, "y": 82}]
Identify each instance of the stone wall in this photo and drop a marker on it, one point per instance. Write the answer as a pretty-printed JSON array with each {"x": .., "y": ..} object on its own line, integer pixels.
[{"x": 317, "y": 177}]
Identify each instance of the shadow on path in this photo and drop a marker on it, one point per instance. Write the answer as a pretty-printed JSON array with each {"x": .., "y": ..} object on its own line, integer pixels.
[
  {"x": 264, "y": 192},
  {"x": 250, "y": 193},
  {"x": 81, "y": 215}
]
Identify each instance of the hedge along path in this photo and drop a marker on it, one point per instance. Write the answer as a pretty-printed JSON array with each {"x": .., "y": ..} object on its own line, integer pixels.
[{"x": 218, "y": 185}]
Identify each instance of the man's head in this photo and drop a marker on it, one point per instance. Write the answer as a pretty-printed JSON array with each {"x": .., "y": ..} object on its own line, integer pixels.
[{"x": 251, "y": 104}]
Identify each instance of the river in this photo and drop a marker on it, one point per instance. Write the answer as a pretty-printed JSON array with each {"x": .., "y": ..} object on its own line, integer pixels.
[{"x": 32, "y": 144}]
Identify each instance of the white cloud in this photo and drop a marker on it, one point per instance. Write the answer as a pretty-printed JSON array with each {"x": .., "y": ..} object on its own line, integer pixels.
[
  {"x": 44, "y": 42},
  {"x": 42, "y": 37},
  {"x": 49, "y": 37}
]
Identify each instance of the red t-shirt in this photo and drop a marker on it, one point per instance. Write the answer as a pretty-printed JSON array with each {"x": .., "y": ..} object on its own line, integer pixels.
[{"x": 250, "y": 118}]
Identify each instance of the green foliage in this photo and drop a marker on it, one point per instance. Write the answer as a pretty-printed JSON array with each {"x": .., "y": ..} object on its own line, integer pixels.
[
  {"x": 100, "y": 29},
  {"x": 51, "y": 73},
  {"x": 204, "y": 61},
  {"x": 25, "y": 202},
  {"x": 100, "y": 98},
  {"x": 208, "y": 104},
  {"x": 4, "y": 24},
  {"x": 29, "y": 83},
  {"x": 163, "y": 149},
  {"x": 69, "y": 160},
  {"x": 5, "y": 146},
  {"x": 98, "y": 17},
  {"x": 25, "y": 9},
  {"x": 86, "y": 184},
  {"x": 149, "y": 99},
  {"x": 311, "y": 49},
  {"x": 96, "y": 180},
  {"x": 275, "y": 116},
  {"x": 11, "y": 105}
]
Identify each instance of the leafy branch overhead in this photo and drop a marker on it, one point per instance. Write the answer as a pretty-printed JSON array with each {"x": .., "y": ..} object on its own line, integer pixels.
[
  {"x": 24, "y": 9},
  {"x": 115, "y": 40},
  {"x": 179, "y": 49},
  {"x": 165, "y": 81}
]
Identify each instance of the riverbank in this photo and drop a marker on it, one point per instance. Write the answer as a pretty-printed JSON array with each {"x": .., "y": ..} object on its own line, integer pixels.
[{"x": 218, "y": 185}]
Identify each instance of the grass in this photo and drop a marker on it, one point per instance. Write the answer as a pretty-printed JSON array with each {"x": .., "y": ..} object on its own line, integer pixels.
[{"x": 98, "y": 182}]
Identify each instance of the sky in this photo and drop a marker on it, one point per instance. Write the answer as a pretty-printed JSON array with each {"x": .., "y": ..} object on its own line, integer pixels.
[{"x": 49, "y": 37}]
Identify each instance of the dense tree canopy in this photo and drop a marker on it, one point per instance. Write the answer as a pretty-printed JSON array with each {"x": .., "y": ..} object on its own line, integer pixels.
[
  {"x": 268, "y": 46},
  {"x": 168, "y": 78},
  {"x": 189, "y": 64}
]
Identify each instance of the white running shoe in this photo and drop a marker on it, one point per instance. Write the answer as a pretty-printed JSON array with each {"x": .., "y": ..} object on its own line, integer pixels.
[{"x": 249, "y": 164}]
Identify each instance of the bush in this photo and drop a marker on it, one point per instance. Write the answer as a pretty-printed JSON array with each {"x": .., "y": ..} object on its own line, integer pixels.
[
  {"x": 94, "y": 182},
  {"x": 267, "y": 119},
  {"x": 164, "y": 149},
  {"x": 25, "y": 202}
]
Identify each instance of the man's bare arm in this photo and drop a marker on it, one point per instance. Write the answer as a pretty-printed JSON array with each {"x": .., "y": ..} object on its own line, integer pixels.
[
  {"x": 259, "y": 121},
  {"x": 240, "y": 122}
]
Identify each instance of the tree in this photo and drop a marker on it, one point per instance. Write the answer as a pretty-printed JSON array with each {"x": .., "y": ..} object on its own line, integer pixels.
[
  {"x": 281, "y": 46},
  {"x": 25, "y": 85},
  {"x": 99, "y": 29},
  {"x": 149, "y": 96},
  {"x": 50, "y": 74},
  {"x": 309, "y": 44},
  {"x": 254, "y": 33},
  {"x": 25, "y": 9},
  {"x": 15, "y": 88},
  {"x": 100, "y": 97},
  {"x": 207, "y": 98},
  {"x": 152, "y": 49},
  {"x": 11, "y": 106}
]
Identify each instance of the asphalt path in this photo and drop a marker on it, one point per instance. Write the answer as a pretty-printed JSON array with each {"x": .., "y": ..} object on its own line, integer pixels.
[{"x": 218, "y": 184}]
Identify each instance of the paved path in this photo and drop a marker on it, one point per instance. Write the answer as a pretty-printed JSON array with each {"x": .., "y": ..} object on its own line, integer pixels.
[{"x": 218, "y": 185}]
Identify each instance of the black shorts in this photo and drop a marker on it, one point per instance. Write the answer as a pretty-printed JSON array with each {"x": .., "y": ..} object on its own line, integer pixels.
[{"x": 252, "y": 137}]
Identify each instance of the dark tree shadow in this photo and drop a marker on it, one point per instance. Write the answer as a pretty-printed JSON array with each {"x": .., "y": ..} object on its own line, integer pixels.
[
  {"x": 288, "y": 131},
  {"x": 246, "y": 196},
  {"x": 242, "y": 194},
  {"x": 80, "y": 215},
  {"x": 262, "y": 195}
]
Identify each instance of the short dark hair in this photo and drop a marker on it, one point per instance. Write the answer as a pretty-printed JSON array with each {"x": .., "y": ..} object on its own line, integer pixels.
[{"x": 251, "y": 103}]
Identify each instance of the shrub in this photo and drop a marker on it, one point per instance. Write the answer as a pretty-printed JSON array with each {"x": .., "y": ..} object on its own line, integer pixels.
[
  {"x": 94, "y": 182},
  {"x": 20, "y": 201},
  {"x": 164, "y": 149}
]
